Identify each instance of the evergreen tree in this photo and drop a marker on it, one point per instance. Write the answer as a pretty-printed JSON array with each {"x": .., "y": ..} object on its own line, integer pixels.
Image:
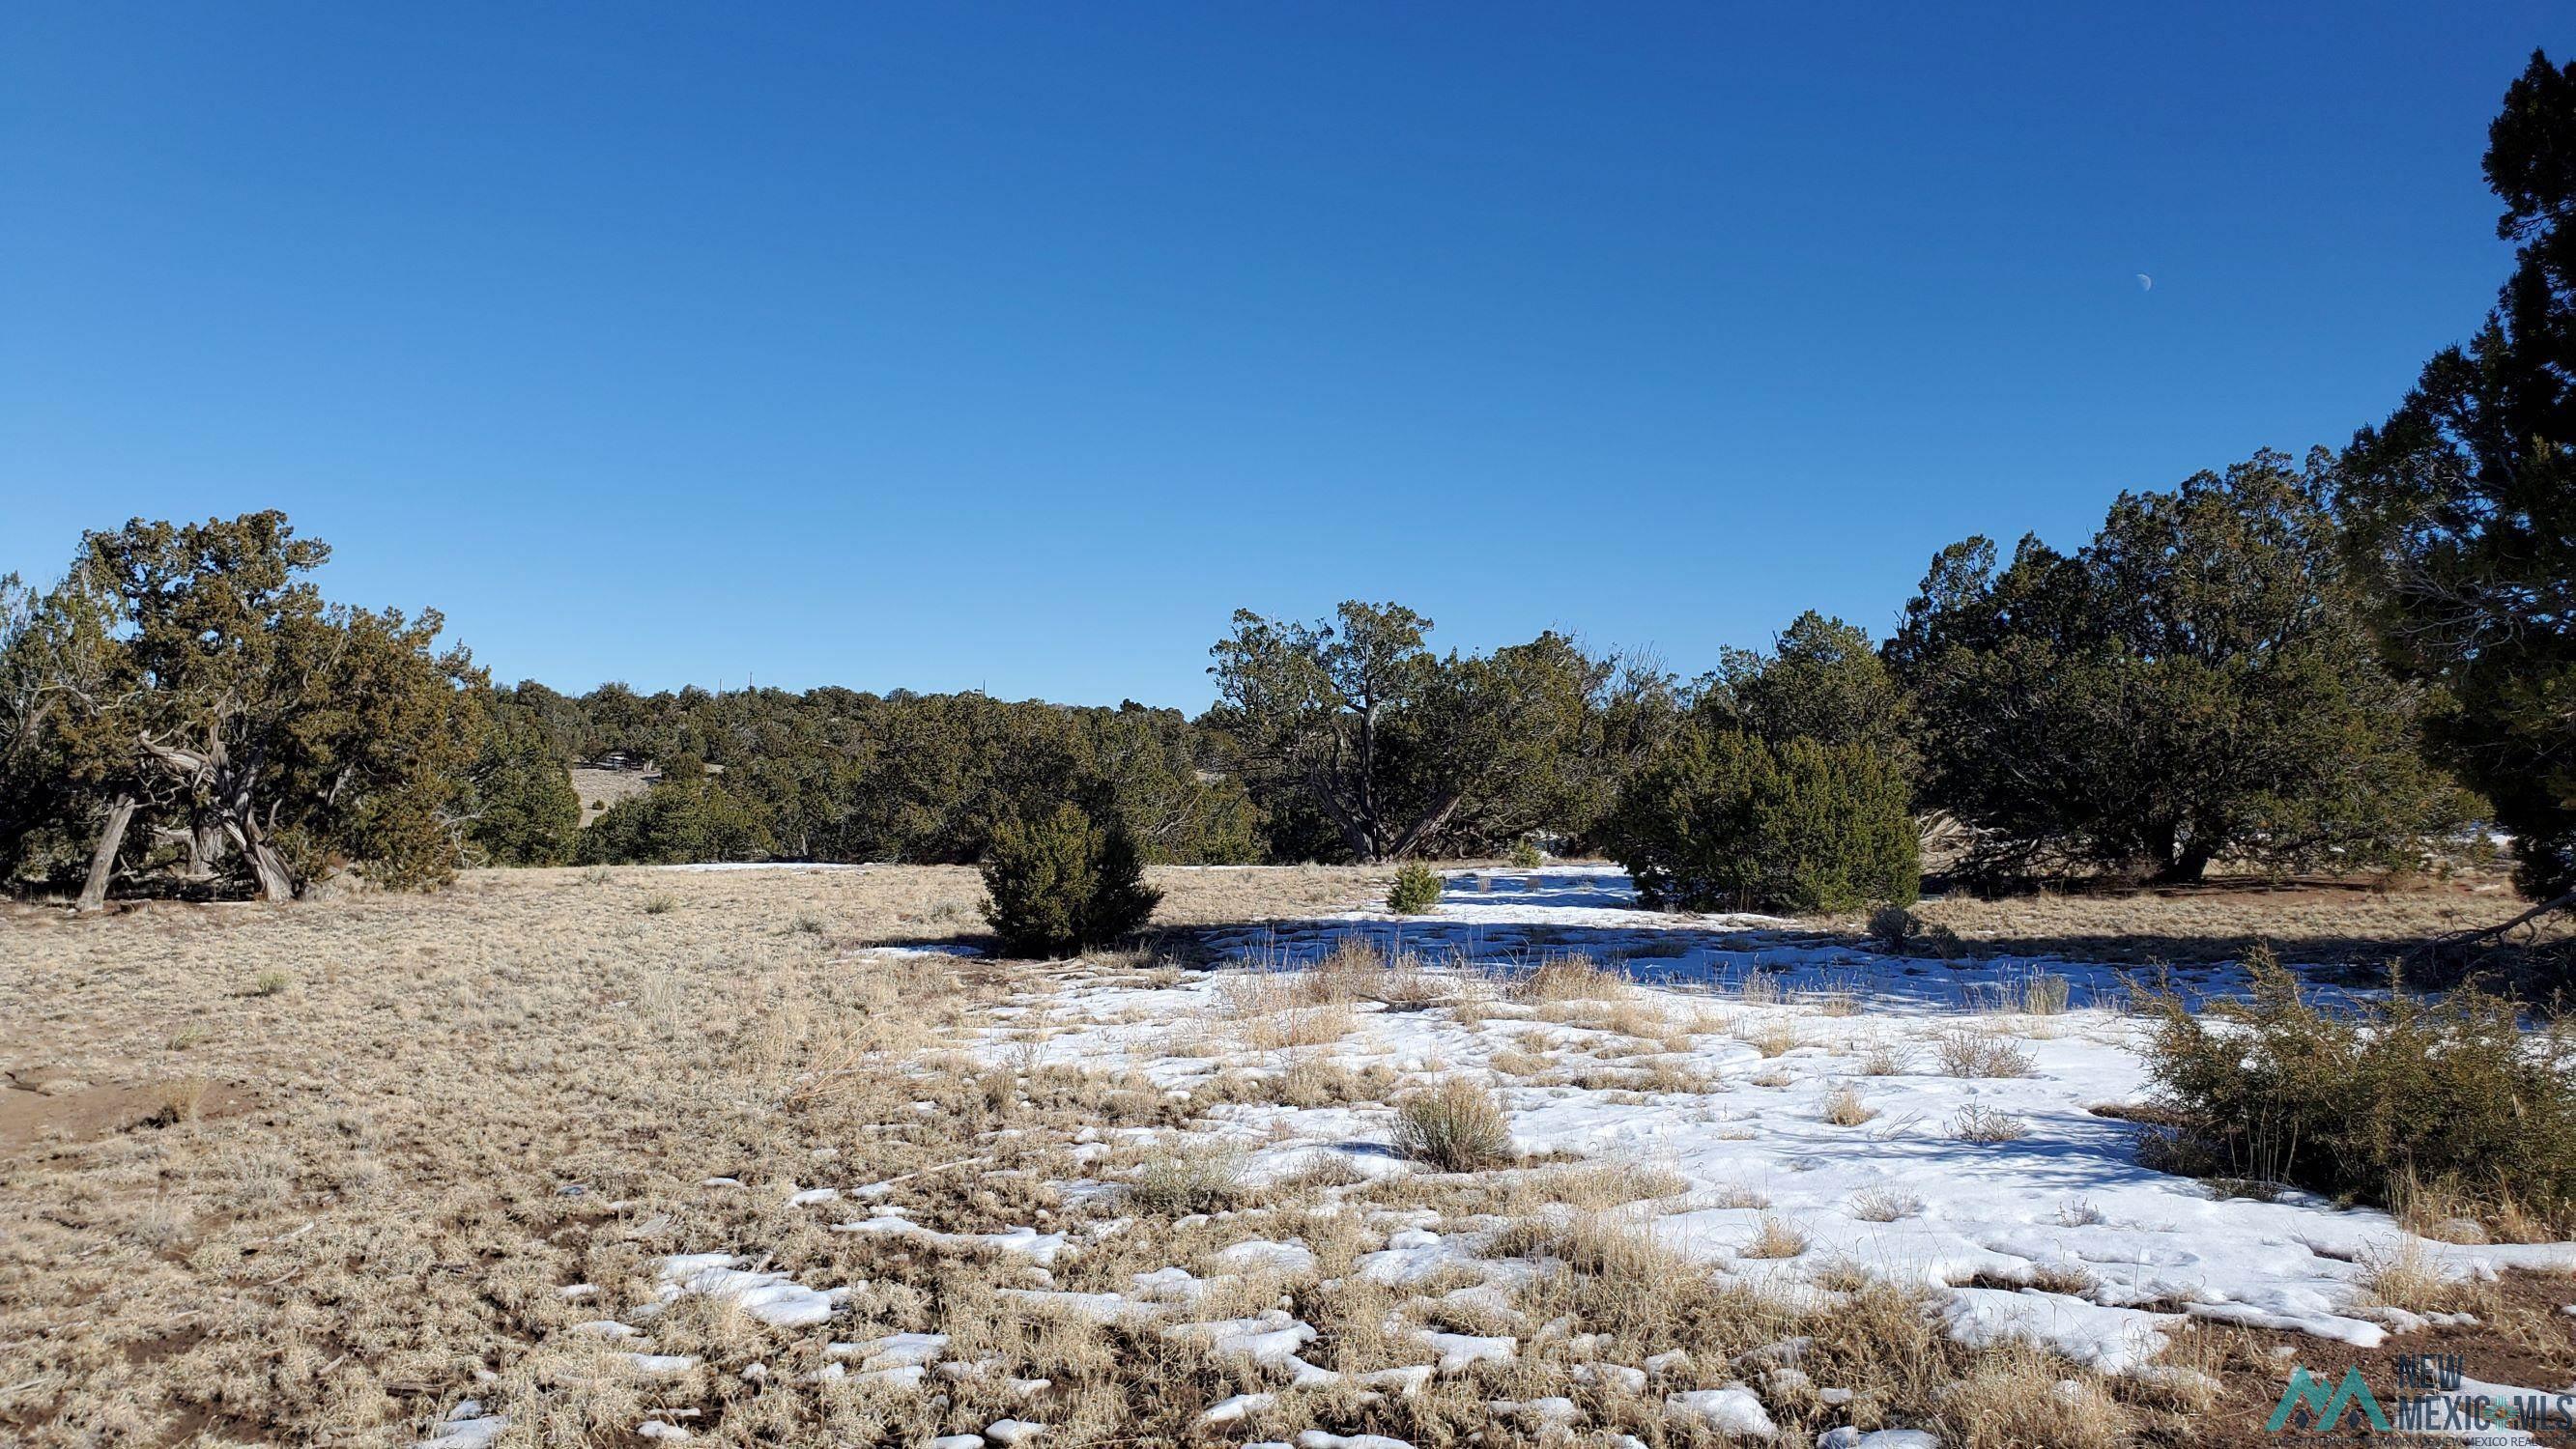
[
  {"x": 2463, "y": 504},
  {"x": 678, "y": 822},
  {"x": 195, "y": 708},
  {"x": 2196, "y": 682},
  {"x": 1357, "y": 739},
  {"x": 1822, "y": 681},
  {"x": 1726, "y": 820},
  {"x": 1064, "y": 884},
  {"x": 519, "y": 796}
]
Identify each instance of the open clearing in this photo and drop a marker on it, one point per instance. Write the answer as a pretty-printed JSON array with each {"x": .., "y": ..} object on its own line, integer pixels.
[{"x": 776, "y": 1156}]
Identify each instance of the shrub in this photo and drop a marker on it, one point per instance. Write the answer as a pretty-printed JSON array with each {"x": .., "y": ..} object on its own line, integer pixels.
[
  {"x": 1728, "y": 821},
  {"x": 177, "y": 1101},
  {"x": 1890, "y": 927},
  {"x": 1984, "y": 1124},
  {"x": 1977, "y": 1051},
  {"x": 1526, "y": 856},
  {"x": 679, "y": 821},
  {"x": 1064, "y": 885},
  {"x": 1456, "y": 1127},
  {"x": 1416, "y": 890},
  {"x": 2360, "y": 1101},
  {"x": 1183, "y": 1181}
]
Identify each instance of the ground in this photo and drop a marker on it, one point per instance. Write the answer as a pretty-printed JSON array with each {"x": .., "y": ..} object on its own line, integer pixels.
[{"x": 779, "y": 1156}]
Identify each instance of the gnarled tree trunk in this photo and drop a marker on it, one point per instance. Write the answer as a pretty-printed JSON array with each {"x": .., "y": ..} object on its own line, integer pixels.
[{"x": 102, "y": 859}]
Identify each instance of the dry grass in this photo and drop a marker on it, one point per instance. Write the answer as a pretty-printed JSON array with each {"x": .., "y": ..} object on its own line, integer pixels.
[
  {"x": 1777, "y": 1238},
  {"x": 1569, "y": 978},
  {"x": 1972, "y": 1049},
  {"x": 1772, "y": 1036},
  {"x": 2319, "y": 921},
  {"x": 1984, "y": 1124},
  {"x": 1456, "y": 1126},
  {"x": 367, "y": 1188},
  {"x": 1845, "y": 1107},
  {"x": 388, "y": 1128},
  {"x": 1188, "y": 1178},
  {"x": 1884, "y": 1205}
]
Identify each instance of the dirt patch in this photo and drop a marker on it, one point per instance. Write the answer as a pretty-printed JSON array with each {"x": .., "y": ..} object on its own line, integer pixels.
[{"x": 61, "y": 1112}]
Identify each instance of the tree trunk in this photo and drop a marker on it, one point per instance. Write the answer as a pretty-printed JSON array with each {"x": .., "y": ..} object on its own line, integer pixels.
[
  {"x": 276, "y": 882},
  {"x": 102, "y": 860},
  {"x": 2186, "y": 867}
]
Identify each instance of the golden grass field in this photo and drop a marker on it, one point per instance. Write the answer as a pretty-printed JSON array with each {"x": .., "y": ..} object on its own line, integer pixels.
[{"x": 314, "y": 1173}]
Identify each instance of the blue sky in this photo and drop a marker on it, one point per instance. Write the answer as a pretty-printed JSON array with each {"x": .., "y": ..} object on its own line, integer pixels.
[{"x": 952, "y": 346}]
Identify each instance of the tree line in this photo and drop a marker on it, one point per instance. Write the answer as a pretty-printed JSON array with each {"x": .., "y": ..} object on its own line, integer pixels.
[{"x": 2289, "y": 663}]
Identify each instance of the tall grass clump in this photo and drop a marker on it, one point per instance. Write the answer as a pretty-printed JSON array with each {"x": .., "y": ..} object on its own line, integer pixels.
[
  {"x": 1064, "y": 884},
  {"x": 1456, "y": 1127},
  {"x": 1179, "y": 1181},
  {"x": 1416, "y": 890},
  {"x": 2371, "y": 1099}
]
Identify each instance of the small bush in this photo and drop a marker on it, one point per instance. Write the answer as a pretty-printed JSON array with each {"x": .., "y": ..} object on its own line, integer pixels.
[
  {"x": 1884, "y": 1205},
  {"x": 181, "y": 1100},
  {"x": 1729, "y": 821},
  {"x": 1064, "y": 885},
  {"x": 271, "y": 983},
  {"x": 1526, "y": 855},
  {"x": 1891, "y": 927},
  {"x": 1977, "y": 1051},
  {"x": 660, "y": 905},
  {"x": 2043, "y": 994},
  {"x": 2373, "y": 1100},
  {"x": 1416, "y": 890},
  {"x": 1179, "y": 1182},
  {"x": 1985, "y": 1124},
  {"x": 1456, "y": 1127}
]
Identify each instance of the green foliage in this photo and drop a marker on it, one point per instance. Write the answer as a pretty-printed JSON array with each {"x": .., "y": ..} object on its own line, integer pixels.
[
  {"x": 2359, "y": 1101},
  {"x": 1823, "y": 681},
  {"x": 2196, "y": 682},
  {"x": 2463, "y": 505},
  {"x": 1416, "y": 890},
  {"x": 678, "y": 822},
  {"x": 200, "y": 712},
  {"x": 1525, "y": 854},
  {"x": 832, "y": 774},
  {"x": 1064, "y": 884},
  {"x": 1363, "y": 744},
  {"x": 54, "y": 651},
  {"x": 519, "y": 796},
  {"x": 1730, "y": 821}
]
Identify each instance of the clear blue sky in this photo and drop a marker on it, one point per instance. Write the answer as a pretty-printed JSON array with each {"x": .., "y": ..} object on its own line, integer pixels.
[{"x": 953, "y": 346}]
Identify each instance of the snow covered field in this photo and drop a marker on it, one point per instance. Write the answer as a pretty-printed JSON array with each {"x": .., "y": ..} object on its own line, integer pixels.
[
  {"x": 735, "y": 1157},
  {"x": 1810, "y": 1117}
]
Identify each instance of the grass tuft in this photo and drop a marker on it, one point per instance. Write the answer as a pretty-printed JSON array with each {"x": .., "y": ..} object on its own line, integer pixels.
[{"x": 1457, "y": 1126}]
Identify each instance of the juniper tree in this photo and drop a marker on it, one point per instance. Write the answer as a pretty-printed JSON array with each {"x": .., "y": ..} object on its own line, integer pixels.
[
  {"x": 2463, "y": 504},
  {"x": 209, "y": 712},
  {"x": 2195, "y": 682}
]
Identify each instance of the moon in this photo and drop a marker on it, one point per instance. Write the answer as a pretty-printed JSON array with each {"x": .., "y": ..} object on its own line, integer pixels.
[{"x": 2146, "y": 283}]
